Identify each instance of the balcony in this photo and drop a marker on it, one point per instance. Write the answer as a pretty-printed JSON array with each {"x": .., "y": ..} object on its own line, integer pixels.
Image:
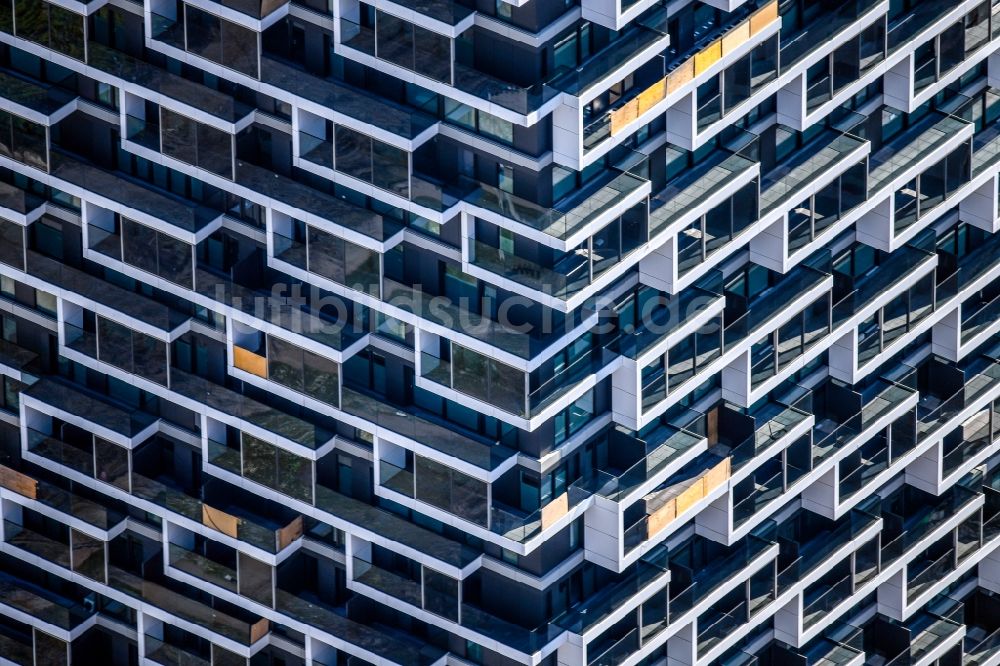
[
  {"x": 982, "y": 628},
  {"x": 187, "y": 609},
  {"x": 639, "y": 37},
  {"x": 314, "y": 204},
  {"x": 802, "y": 43},
  {"x": 291, "y": 314},
  {"x": 388, "y": 527},
  {"x": 508, "y": 96},
  {"x": 812, "y": 547},
  {"x": 342, "y": 99},
  {"x": 18, "y": 363},
  {"x": 969, "y": 272},
  {"x": 16, "y": 200},
  {"x": 167, "y": 654},
  {"x": 315, "y": 613},
  {"x": 912, "y": 23},
  {"x": 954, "y": 391},
  {"x": 786, "y": 184},
  {"x": 591, "y": 206},
  {"x": 688, "y": 193},
  {"x": 72, "y": 401},
  {"x": 659, "y": 450},
  {"x": 662, "y": 323},
  {"x": 893, "y": 163},
  {"x": 231, "y": 405},
  {"x": 478, "y": 452},
  {"x": 132, "y": 194},
  {"x": 880, "y": 397},
  {"x": 93, "y": 290},
  {"x": 866, "y": 290},
  {"x": 914, "y": 515},
  {"x": 646, "y": 575},
  {"x": 744, "y": 437},
  {"x": 750, "y": 320},
  {"x": 674, "y": 500},
  {"x": 34, "y": 101},
  {"x": 26, "y": 597},
  {"x": 132, "y": 70},
  {"x": 63, "y": 501},
  {"x": 690, "y": 587}
]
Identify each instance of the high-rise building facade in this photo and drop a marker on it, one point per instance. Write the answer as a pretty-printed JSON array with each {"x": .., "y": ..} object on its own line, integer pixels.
[{"x": 544, "y": 332}]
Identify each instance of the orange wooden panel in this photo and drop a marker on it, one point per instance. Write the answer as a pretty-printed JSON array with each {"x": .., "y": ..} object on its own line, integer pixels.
[
  {"x": 687, "y": 498},
  {"x": 290, "y": 532},
  {"x": 707, "y": 57},
  {"x": 763, "y": 17},
  {"x": 555, "y": 510},
  {"x": 22, "y": 484},
  {"x": 246, "y": 360},
  {"x": 716, "y": 476},
  {"x": 661, "y": 517},
  {"x": 652, "y": 96},
  {"x": 735, "y": 37},
  {"x": 220, "y": 520},
  {"x": 620, "y": 118},
  {"x": 680, "y": 76},
  {"x": 259, "y": 629}
]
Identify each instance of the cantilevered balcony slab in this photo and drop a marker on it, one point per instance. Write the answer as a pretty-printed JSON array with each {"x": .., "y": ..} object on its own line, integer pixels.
[
  {"x": 45, "y": 105},
  {"x": 108, "y": 420}
]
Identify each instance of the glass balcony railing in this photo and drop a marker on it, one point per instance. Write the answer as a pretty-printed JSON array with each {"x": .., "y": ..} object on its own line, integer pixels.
[
  {"x": 315, "y": 613},
  {"x": 19, "y": 200},
  {"x": 662, "y": 446},
  {"x": 443, "y": 311},
  {"x": 391, "y": 527},
  {"x": 978, "y": 318},
  {"x": 714, "y": 576},
  {"x": 32, "y": 600},
  {"x": 60, "y": 499},
  {"x": 684, "y": 194},
  {"x": 523, "y": 525},
  {"x": 824, "y": 600},
  {"x": 651, "y": 29},
  {"x": 818, "y": 549},
  {"x": 487, "y": 88},
  {"x": 663, "y": 321},
  {"x": 203, "y": 568},
  {"x": 933, "y": 413},
  {"x": 982, "y": 648},
  {"x": 910, "y": 149},
  {"x": 186, "y": 608},
  {"x": 166, "y": 654},
  {"x": 773, "y": 421},
  {"x": 44, "y": 100},
  {"x": 770, "y": 303},
  {"x": 566, "y": 218},
  {"x": 272, "y": 538},
  {"x": 927, "y": 633},
  {"x": 614, "y": 653},
  {"x": 481, "y": 453},
  {"x": 231, "y": 403},
  {"x": 535, "y": 276},
  {"x": 643, "y": 577},
  {"x": 47, "y": 548},
  {"x": 924, "y": 574},
  {"x": 784, "y": 185},
  {"x": 796, "y": 46},
  {"x": 919, "y": 18},
  {"x": 904, "y": 261},
  {"x": 969, "y": 268},
  {"x": 921, "y": 521},
  {"x": 131, "y": 193},
  {"x": 16, "y": 651}
]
